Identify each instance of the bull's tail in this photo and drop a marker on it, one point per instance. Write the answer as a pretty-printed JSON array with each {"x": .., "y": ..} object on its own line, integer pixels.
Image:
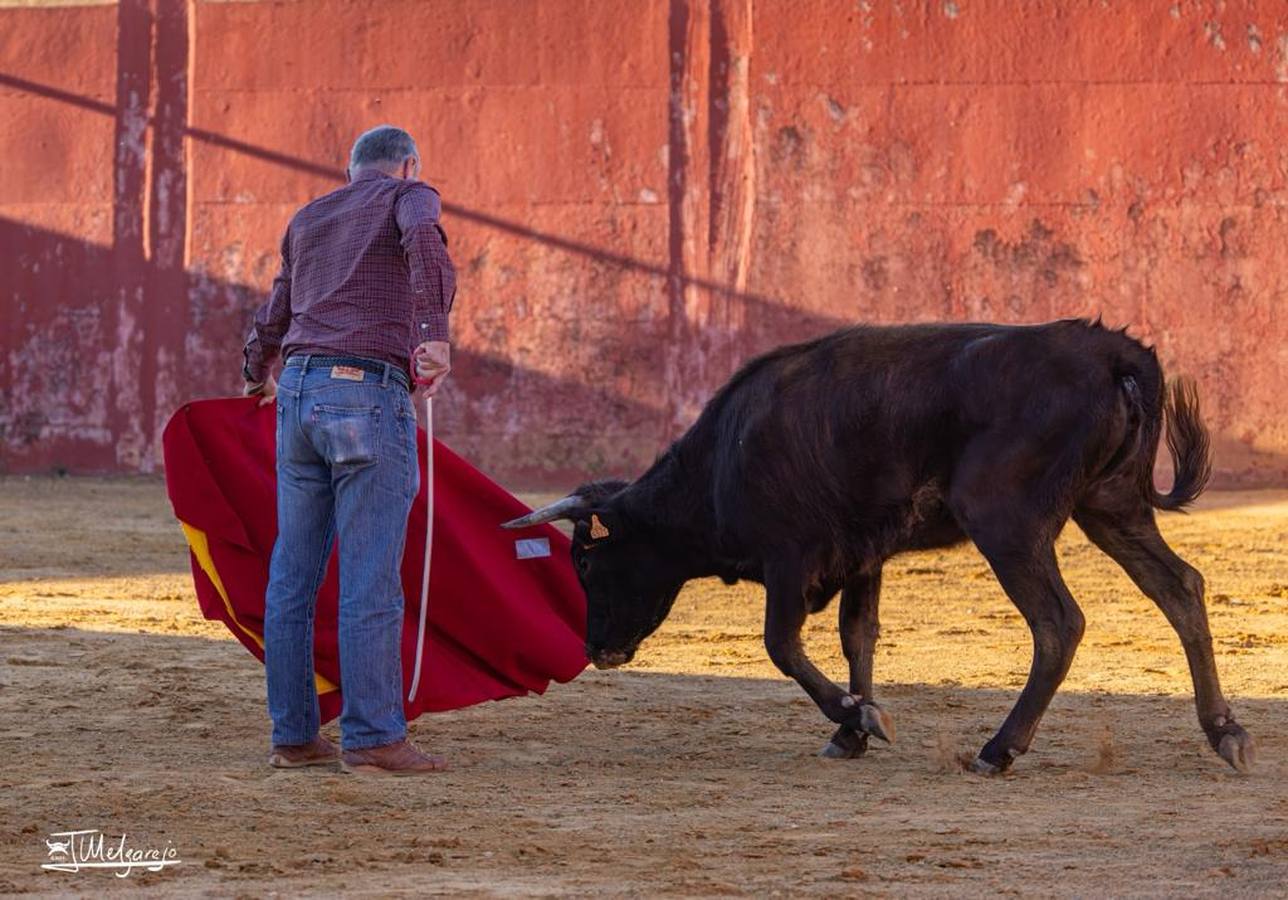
[
  {"x": 1187, "y": 443},
  {"x": 1152, "y": 407}
]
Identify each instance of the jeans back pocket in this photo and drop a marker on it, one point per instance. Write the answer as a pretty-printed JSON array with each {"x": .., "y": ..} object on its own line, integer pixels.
[{"x": 350, "y": 434}]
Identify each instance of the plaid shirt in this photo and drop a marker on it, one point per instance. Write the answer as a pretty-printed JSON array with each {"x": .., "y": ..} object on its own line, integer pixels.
[{"x": 365, "y": 272}]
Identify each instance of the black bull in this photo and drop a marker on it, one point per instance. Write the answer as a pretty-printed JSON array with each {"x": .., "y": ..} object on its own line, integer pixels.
[{"x": 817, "y": 462}]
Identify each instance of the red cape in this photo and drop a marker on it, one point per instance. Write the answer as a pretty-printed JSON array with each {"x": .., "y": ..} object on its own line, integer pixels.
[{"x": 498, "y": 626}]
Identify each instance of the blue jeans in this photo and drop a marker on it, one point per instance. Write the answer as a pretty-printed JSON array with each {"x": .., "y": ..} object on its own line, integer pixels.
[{"x": 346, "y": 464}]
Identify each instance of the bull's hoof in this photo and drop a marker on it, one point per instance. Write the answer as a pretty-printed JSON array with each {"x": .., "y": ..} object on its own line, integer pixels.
[
  {"x": 866, "y": 717},
  {"x": 845, "y": 744},
  {"x": 993, "y": 760},
  {"x": 832, "y": 750},
  {"x": 877, "y": 722},
  {"x": 1235, "y": 746}
]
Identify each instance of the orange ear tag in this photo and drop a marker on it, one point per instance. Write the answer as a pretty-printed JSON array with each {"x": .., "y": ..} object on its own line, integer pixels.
[{"x": 598, "y": 529}]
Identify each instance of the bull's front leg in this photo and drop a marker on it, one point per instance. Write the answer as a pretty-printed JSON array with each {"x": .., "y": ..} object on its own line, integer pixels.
[
  {"x": 785, "y": 612},
  {"x": 859, "y": 628}
]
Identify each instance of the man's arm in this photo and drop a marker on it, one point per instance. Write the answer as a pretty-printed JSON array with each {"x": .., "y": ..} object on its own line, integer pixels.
[
  {"x": 271, "y": 321},
  {"x": 433, "y": 277}
]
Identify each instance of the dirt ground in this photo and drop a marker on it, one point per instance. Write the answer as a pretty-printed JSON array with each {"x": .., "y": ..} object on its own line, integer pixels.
[{"x": 690, "y": 772}]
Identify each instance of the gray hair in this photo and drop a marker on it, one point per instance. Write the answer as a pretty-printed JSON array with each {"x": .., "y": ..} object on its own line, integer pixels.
[{"x": 382, "y": 146}]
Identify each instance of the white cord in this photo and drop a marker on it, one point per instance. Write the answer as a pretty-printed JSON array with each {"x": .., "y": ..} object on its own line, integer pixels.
[{"x": 429, "y": 543}]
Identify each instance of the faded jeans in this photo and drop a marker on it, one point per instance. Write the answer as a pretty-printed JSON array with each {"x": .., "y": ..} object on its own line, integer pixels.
[{"x": 346, "y": 466}]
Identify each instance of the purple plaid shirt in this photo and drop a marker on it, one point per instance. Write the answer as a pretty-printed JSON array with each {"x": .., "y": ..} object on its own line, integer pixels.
[{"x": 365, "y": 272}]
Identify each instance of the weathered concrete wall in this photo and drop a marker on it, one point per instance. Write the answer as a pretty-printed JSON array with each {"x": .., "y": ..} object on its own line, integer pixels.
[{"x": 641, "y": 194}]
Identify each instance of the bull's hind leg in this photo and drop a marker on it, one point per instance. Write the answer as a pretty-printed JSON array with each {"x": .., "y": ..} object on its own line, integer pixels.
[
  {"x": 1132, "y": 539},
  {"x": 1031, "y": 578},
  {"x": 785, "y": 612},
  {"x": 1011, "y": 496},
  {"x": 860, "y": 627}
]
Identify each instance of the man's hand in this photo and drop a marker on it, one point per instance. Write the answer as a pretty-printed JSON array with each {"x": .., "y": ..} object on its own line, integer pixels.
[
  {"x": 266, "y": 390},
  {"x": 433, "y": 360}
]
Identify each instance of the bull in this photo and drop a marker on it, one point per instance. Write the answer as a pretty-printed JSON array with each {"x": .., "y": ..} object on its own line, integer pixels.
[{"x": 819, "y": 461}]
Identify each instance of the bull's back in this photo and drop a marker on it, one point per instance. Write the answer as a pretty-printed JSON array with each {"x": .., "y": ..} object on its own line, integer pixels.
[{"x": 859, "y": 432}]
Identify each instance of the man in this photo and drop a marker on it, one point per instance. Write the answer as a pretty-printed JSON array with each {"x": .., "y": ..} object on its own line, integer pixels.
[{"x": 365, "y": 278}]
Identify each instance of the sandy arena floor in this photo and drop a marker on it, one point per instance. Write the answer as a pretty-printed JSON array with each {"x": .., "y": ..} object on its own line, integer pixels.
[{"x": 691, "y": 772}]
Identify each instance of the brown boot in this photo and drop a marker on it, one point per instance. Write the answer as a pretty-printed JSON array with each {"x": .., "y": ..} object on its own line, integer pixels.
[
  {"x": 401, "y": 758},
  {"x": 318, "y": 752}
]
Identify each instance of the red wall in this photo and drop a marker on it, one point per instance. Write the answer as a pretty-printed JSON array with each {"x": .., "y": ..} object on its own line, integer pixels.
[{"x": 640, "y": 194}]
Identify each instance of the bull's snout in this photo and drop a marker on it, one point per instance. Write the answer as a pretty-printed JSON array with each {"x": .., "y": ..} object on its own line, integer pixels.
[{"x": 608, "y": 659}]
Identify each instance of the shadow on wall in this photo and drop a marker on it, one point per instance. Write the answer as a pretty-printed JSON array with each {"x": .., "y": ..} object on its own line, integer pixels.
[
  {"x": 71, "y": 398},
  {"x": 111, "y": 338}
]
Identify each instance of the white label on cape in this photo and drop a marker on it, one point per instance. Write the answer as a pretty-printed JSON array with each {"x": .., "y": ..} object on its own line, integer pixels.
[{"x": 531, "y": 548}]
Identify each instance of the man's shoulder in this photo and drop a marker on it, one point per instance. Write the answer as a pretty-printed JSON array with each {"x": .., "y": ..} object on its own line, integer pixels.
[
  {"x": 327, "y": 199},
  {"x": 365, "y": 191},
  {"x": 416, "y": 186},
  {"x": 421, "y": 193}
]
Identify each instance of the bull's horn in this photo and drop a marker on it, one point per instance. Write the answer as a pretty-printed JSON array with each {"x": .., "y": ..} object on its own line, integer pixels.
[{"x": 560, "y": 509}]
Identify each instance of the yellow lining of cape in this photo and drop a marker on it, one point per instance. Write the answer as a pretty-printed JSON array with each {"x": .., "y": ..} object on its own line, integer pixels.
[{"x": 201, "y": 550}]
